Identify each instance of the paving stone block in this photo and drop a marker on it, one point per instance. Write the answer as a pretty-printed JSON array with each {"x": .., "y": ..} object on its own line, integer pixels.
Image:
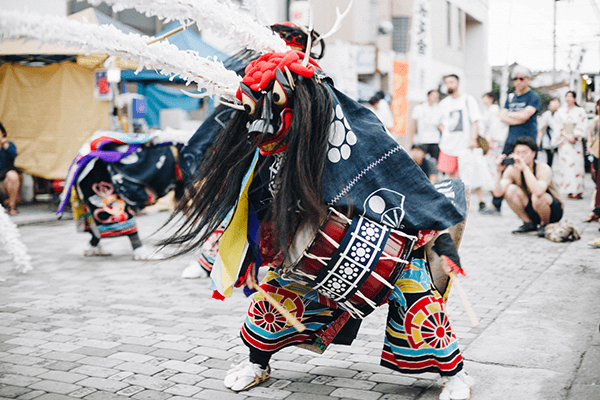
[
  {"x": 355, "y": 394},
  {"x": 62, "y": 376},
  {"x": 101, "y": 362},
  {"x": 34, "y": 394},
  {"x": 54, "y": 396},
  {"x": 61, "y": 365},
  {"x": 95, "y": 352},
  {"x": 21, "y": 350},
  {"x": 26, "y": 341},
  {"x": 313, "y": 396},
  {"x": 172, "y": 354},
  {"x": 181, "y": 346},
  {"x": 134, "y": 348},
  {"x": 6, "y": 368},
  {"x": 211, "y": 352},
  {"x": 328, "y": 362},
  {"x": 12, "y": 392},
  {"x": 268, "y": 393},
  {"x": 102, "y": 395},
  {"x": 131, "y": 390},
  {"x": 402, "y": 380},
  {"x": 54, "y": 387},
  {"x": 291, "y": 366},
  {"x": 196, "y": 359},
  {"x": 152, "y": 395},
  {"x": 310, "y": 388},
  {"x": 62, "y": 356},
  {"x": 389, "y": 388},
  {"x": 139, "y": 368},
  {"x": 17, "y": 380},
  {"x": 131, "y": 357},
  {"x": 209, "y": 394},
  {"x": 81, "y": 393},
  {"x": 119, "y": 376},
  {"x": 148, "y": 382},
  {"x": 335, "y": 372},
  {"x": 186, "y": 379},
  {"x": 211, "y": 383},
  {"x": 107, "y": 385},
  {"x": 183, "y": 366},
  {"x": 214, "y": 363},
  {"x": 183, "y": 390},
  {"x": 293, "y": 376},
  {"x": 351, "y": 383}
]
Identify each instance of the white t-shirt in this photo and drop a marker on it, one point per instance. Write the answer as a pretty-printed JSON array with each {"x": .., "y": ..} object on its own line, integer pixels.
[
  {"x": 457, "y": 116},
  {"x": 547, "y": 118},
  {"x": 493, "y": 128},
  {"x": 428, "y": 118}
]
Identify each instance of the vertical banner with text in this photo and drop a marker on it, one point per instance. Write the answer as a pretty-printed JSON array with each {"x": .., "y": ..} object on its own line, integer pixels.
[
  {"x": 419, "y": 54},
  {"x": 399, "y": 98}
]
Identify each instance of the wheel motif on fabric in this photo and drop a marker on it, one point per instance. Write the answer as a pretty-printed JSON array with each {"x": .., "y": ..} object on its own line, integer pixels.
[
  {"x": 427, "y": 325},
  {"x": 266, "y": 317}
]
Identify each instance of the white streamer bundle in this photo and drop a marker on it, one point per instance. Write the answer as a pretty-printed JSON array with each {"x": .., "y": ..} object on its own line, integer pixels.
[
  {"x": 10, "y": 239},
  {"x": 220, "y": 18},
  {"x": 92, "y": 38}
]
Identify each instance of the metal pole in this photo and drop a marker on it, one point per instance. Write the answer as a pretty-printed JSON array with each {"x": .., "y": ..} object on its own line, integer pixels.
[{"x": 554, "y": 46}]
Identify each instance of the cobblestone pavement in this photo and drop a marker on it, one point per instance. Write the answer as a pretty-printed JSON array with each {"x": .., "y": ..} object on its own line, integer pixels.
[{"x": 112, "y": 328}]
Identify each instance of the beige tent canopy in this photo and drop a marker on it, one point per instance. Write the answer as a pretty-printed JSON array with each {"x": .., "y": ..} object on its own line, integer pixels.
[{"x": 49, "y": 111}]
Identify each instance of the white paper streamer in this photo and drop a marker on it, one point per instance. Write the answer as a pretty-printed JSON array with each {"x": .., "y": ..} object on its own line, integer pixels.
[
  {"x": 10, "y": 239},
  {"x": 92, "y": 38},
  {"x": 221, "y": 18}
]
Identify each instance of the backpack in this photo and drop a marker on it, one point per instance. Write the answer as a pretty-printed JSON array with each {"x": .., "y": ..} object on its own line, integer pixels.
[{"x": 561, "y": 232}]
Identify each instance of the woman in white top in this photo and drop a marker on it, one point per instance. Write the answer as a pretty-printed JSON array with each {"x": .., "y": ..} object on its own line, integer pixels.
[
  {"x": 494, "y": 130},
  {"x": 571, "y": 123}
]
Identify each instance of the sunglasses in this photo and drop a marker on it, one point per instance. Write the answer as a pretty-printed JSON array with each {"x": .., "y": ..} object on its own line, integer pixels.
[{"x": 519, "y": 79}]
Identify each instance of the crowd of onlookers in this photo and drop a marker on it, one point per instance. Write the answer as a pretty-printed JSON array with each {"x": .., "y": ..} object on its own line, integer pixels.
[{"x": 530, "y": 159}]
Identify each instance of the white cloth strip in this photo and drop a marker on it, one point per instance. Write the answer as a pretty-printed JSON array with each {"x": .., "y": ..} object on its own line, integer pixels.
[{"x": 221, "y": 18}]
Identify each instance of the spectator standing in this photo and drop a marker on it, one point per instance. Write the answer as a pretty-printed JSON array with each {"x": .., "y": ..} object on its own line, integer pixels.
[
  {"x": 520, "y": 114},
  {"x": 494, "y": 130},
  {"x": 528, "y": 188},
  {"x": 548, "y": 130},
  {"x": 382, "y": 109},
  {"x": 8, "y": 173},
  {"x": 425, "y": 121},
  {"x": 571, "y": 123},
  {"x": 459, "y": 127},
  {"x": 593, "y": 142}
]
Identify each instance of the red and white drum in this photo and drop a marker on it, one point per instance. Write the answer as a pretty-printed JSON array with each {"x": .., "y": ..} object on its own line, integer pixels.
[{"x": 354, "y": 262}]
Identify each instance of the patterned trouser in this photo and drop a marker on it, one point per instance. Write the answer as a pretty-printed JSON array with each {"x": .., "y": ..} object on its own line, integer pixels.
[{"x": 418, "y": 335}]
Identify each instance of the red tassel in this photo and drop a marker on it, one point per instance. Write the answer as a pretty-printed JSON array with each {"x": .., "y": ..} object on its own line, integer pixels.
[{"x": 217, "y": 295}]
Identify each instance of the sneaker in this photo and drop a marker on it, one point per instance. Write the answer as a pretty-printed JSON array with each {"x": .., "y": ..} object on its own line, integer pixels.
[
  {"x": 245, "y": 376},
  {"x": 194, "y": 270},
  {"x": 492, "y": 210},
  {"x": 94, "y": 251},
  {"x": 541, "y": 232},
  {"x": 142, "y": 253},
  {"x": 482, "y": 206},
  {"x": 457, "y": 387},
  {"x": 527, "y": 227},
  {"x": 595, "y": 243}
]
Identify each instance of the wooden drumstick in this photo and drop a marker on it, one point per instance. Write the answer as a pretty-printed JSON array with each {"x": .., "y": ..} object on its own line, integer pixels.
[
  {"x": 282, "y": 310},
  {"x": 463, "y": 298},
  {"x": 166, "y": 35}
]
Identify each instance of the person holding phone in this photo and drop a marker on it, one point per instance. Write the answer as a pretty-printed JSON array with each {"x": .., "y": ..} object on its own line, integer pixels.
[{"x": 528, "y": 188}]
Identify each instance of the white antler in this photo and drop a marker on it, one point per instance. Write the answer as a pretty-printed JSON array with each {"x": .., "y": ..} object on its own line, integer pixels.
[
  {"x": 92, "y": 38},
  {"x": 221, "y": 18},
  {"x": 338, "y": 22},
  {"x": 309, "y": 36}
]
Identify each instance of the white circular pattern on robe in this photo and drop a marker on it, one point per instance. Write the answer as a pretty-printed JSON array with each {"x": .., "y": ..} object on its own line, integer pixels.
[
  {"x": 341, "y": 138},
  {"x": 338, "y": 112},
  {"x": 377, "y": 204},
  {"x": 337, "y": 133},
  {"x": 334, "y": 155},
  {"x": 351, "y": 138},
  {"x": 347, "y": 123},
  {"x": 346, "y": 151}
]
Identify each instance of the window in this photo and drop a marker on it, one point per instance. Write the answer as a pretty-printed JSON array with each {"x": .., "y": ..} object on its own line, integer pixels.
[
  {"x": 449, "y": 22},
  {"x": 400, "y": 34}
]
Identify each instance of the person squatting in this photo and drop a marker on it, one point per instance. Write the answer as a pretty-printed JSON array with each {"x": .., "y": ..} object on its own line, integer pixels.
[{"x": 308, "y": 183}]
